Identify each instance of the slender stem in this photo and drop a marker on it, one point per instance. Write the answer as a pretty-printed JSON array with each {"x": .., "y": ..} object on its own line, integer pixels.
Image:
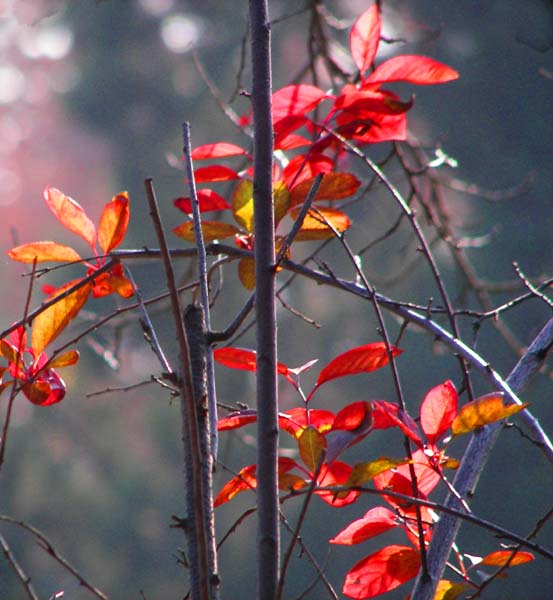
[{"x": 268, "y": 535}]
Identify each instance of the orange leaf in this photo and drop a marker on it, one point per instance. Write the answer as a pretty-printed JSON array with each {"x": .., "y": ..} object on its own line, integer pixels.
[
  {"x": 42, "y": 252},
  {"x": 420, "y": 70},
  {"x": 212, "y": 230},
  {"x": 217, "y": 150},
  {"x": 365, "y": 37},
  {"x": 246, "y": 273},
  {"x": 245, "y": 480},
  {"x": 71, "y": 357},
  {"x": 381, "y": 572},
  {"x": 483, "y": 411},
  {"x": 311, "y": 445},
  {"x": 71, "y": 215},
  {"x": 315, "y": 224},
  {"x": 52, "y": 321},
  {"x": 502, "y": 557},
  {"x": 113, "y": 222},
  {"x": 334, "y": 186},
  {"x": 289, "y": 482}
]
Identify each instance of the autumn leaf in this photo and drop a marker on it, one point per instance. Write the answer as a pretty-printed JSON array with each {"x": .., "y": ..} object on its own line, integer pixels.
[
  {"x": 334, "y": 186},
  {"x": 306, "y": 166},
  {"x": 438, "y": 409},
  {"x": 365, "y": 471},
  {"x": 114, "y": 221},
  {"x": 381, "y": 572},
  {"x": 483, "y": 411},
  {"x": 217, "y": 150},
  {"x": 244, "y": 359},
  {"x": 43, "y": 252},
  {"x": 311, "y": 445},
  {"x": 501, "y": 557},
  {"x": 449, "y": 590},
  {"x": 71, "y": 215},
  {"x": 245, "y": 480},
  {"x": 364, "y": 38},
  {"x": 66, "y": 359},
  {"x": 214, "y": 173},
  {"x": 212, "y": 230},
  {"x": 336, "y": 474},
  {"x": 207, "y": 199},
  {"x": 295, "y": 101},
  {"x": 420, "y": 70},
  {"x": 52, "y": 321},
  {"x": 376, "y": 521}
]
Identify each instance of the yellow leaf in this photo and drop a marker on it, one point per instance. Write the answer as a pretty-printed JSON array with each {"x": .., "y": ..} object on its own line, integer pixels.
[
  {"x": 483, "y": 411},
  {"x": 365, "y": 471},
  {"x": 71, "y": 215},
  {"x": 334, "y": 186},
  {"x": 52, "y": 321},
  {"x": 315, "y": 228},
  {"x": 43, "y": 251},
  {"x": 242, "y": 204},
  {"x": 66, "y": 359},
  {"x": 246, "y": 273},
  {"x": 281, "y": 199},
  {"x": 212, "y": 230},
  {"x": 311, "y": 444},
  {"x": 448, "y": 590}
]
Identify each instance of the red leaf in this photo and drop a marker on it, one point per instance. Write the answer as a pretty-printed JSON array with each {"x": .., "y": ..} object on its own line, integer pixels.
[
  {"x": 337, "y": 474},
  {"x": 49, "y": 388},
  {"x": 438, "y": 409},
  {"x": 214, "y": 173},
  {"x": 413, "y": 69},
  {"x": 114, "y": 221},
  {"x": 362, "y": 104},
  {"x": 400, "y": 419},
  {"x": 354, "y": 416},
  {"x": 365, "y": 37},
  {"x": 306, "y": 166},
  {"x": 71, "y": 215},
  {"x": 376, "y": 521},
  {"x": 296, "y": 100},
  {"x": 295, "y": 420},
  {"x": 245, "y": 480},
  {"x": 217, "y": 150},
  {"x": 208, "y": 200},
  {"x": 240, "y": 358},
  {"x": 381, "y": 572},
  {"x": 362, "y": 359},
  {"x": 237, "y": 419}
]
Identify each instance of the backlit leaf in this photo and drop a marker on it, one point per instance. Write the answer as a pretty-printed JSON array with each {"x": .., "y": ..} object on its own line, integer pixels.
[
  {"x": 362, "y": 359},
  {"x": 43, "y": 252},
  {"x": 66, "y": 359},
  {"x": 281, "y": 199},
  {"x": 396, "y": 417},
  {"x": 52, "y": 321},
  {"x": 336, "y": 474},
  {"x": 311, "y": 445},
  {"x": 376, "y": 521},
  {"x": 236, "y": 420},
  {"x": 71, "y": 215},
  {"x": 45, "y": 393},
  {"x": 381, "y": 572},
  {"x": 214, "y": 173},
  {"x": 483, "y": 411},
  {"x": 245, "y": 480},
  {"x": 502, "y": 557},
  {"x": 438, "y": 409},
  {"x": 212, "y": 230},
  {"x": 296, "y": 100},
  {"x": 354, "y": 417},
  {"x": 208, "y": 200},
  {"x": 315, "y": 225},
  {"x": 295, "y": 420},
  {"x": 288, "y": 482},
  {"x": 241, "y": 358},
  {"x": 365, "y": 471},
  {"x": 334, "y": 186},
  {"x": 114, "y": 221},
  {"x": 364, "y": 38},
  {"x": 246, "y": 273},
  {"x": 306, "y": 166},
  {"x": 217, "y": 150},
  {"x": 420, "y": 70},
  {"x": 242, "y": 204},
  {"x": 361, "y": 104},
  {"x": 449, "y": 590}
]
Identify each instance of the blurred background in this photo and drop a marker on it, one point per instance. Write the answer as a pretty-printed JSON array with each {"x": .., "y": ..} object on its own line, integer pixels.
[{"x": 92, "y": 98}]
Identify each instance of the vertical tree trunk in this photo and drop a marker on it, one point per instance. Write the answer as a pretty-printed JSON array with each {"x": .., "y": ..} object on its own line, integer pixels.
[{"x": 267, "y": 400}]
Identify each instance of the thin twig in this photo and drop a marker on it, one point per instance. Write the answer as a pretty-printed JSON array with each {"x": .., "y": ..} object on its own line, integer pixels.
[{"x": 18, "y": 569}]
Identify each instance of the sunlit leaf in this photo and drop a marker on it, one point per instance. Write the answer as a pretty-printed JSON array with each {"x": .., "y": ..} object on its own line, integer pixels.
[
  {"x": 334, "y": 186},
  {"x": 71, "y": 215},
  {"x": 243, "y": 359},
  {"x": 354, "y": 417},
  {"x": 208, "y": 200},
  {"x": 295, "y": 420},
  {"x": 501, "y": 557},
  {"x": 66, "y": 359},
  {"x": 364, "y": 38},
  {"x": 420, "y": 70},
  {"x": 336, "y": 474},
  {"x": 381, "y": 572},
  {"x": 365, "y": 471},
  {"x": 311, "y": 444},
  {"x": 212, "y": 230},
  {"x": 306, "y": 166},
  {"x": 217, "y": 150},
  {"x": 289, "y": 482},
  {"x": 315, "y": 225},
  {"x": 449, "y": 590},
  {"x": 281, "y": 199},
  {"x": 245, "y": 480},
  {"x": 362, "y": 359},
  {"x": 214, "y": 173},
  {"x": 483, "y": 411},
  {"x": 246, "y": 273},
  {"x": 236, "y": 420},
  {"x": 114, "y": 221},
  {"x": 111, "y": 282},
  {"x": 361, "y": 104},
  {"x": 242, "y": 204},
  {"x": 52, "y": 321},
  {"x": 376, "y": 521},
  {"x": 396, "y": 417},
  {"x": 438, "y": 409},
  {"x": 43, "y": 252},
  {"x": 296, "y": 100}
]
